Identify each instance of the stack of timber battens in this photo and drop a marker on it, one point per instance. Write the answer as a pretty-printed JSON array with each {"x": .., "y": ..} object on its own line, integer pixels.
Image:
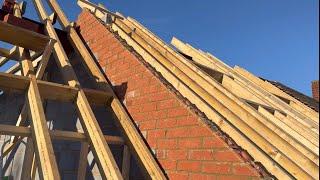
[
  {"x": 296, "y": 104},
  {"x": 138, "y": 38},
  {"x": 314, "y": 139},
  {"x": 213, "y": 62},
  {"x": 306, "y": 124}
]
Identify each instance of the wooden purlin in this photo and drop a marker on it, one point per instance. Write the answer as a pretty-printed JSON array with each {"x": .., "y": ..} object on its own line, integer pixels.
[
  {"x": 102, "y": 153},
  {"x": 128, "y": 40},
  {"x": 134, "y": 140}
]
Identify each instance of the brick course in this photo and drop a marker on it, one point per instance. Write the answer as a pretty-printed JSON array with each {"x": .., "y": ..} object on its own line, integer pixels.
[{"x": 184, "y": 145}]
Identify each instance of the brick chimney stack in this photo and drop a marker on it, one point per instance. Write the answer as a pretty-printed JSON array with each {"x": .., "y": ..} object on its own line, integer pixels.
[
  {"x": 8, "y": 6},
  {"x": 315, "y": 90}
]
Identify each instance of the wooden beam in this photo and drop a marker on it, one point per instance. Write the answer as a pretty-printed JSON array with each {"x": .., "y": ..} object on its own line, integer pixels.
[
  {"x": 58, "y": 92},
  {"x": 56, "y": 134},
  {"x": 126, "y": 160},
  {"x": 53, "y": 91},
  {"x": 28, "y": 160},
  {"x": 22, "y": 37},
  {"x": 45, "y": 59},
  {"x": 294, "y": 103},
  {"x": 294, "y": 138},
  {"x": 11, "y": 81},
  {"x": 8, "y": 54},
  {"x": 83, "y": 161},
  {"x": 43, "y": 146},
  {"x": 3, "y": 60},
  {"x": 103, "y": 156},
  {"x": 240, "y": 91},
  {"x": 98, "y": 97},
  {"x": 134, "y": 139}
]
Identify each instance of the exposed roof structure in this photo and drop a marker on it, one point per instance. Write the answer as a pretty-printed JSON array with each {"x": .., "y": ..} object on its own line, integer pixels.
[
  {"x": 267, "y": 129},
  {"x": 312, "y": 103}
]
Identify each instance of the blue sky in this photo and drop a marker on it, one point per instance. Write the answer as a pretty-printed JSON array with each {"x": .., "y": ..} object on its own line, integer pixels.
[{"x": 274, "y": 39}]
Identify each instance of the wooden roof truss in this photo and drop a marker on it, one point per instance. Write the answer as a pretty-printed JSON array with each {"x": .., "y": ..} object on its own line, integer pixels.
[{"x": 33, "y": 49}]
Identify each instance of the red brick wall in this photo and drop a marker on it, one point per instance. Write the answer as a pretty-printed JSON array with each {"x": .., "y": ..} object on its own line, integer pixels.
[
  {"x": 184, "y": 145},
  {"x": 315, "y": 90}
]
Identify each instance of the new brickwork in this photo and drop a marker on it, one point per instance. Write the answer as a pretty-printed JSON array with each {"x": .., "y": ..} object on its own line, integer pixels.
[{"x": 183, "y": 144}]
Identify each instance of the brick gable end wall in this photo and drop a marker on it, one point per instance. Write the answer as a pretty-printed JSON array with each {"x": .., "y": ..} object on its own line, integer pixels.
[{"x": 183, "y": 144}]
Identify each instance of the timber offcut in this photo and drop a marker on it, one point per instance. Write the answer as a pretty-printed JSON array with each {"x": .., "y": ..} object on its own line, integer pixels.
[{"x": 105, "y": 98}]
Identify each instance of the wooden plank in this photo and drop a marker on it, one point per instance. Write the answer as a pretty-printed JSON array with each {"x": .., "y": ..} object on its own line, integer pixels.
[
  {"x": 136, "y": 143},
  {"x": 28, "y": 160},
  {"x": 274, "y": 90},
  {"x": 240, "y": 91},
  {"x": 14, "y": 130},
  {"x": 43, "y": 146},
  {"x": 3, "y": 60},
  {"x": 83, "y": 161},
  {"x": 305, "y": 130},
  {"x": 22, "y": 37},
  {"x": 302, "y": 144},
  {"x": 8, "y": 54},
  {"x": 45, "y": 59},
  {"x": 11, "y": 81},
  {"x": 59, "y": 92},
  {"x": 102, "y": 152},
  {"x": 126, "y": 160},
  {"x": 98, "y": 97},
  {"x": 103, "y": 156},
  {"x": 55, "y": 134}
]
